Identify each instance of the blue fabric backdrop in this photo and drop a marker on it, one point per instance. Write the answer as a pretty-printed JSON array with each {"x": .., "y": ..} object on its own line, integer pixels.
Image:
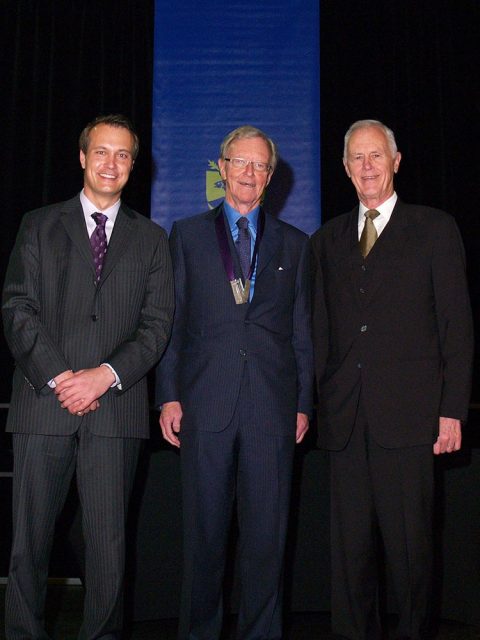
[{"x": 218, "y": 66}]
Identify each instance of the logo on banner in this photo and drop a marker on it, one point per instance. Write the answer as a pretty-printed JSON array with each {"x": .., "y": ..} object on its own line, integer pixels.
[{"x": 214, "y": 189}]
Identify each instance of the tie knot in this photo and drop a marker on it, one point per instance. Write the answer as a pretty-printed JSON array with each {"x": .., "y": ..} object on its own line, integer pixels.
[
  {"x": 372, "y": 214},
  {"x": 242, "y": 223},
  {"x": 100, "y": 218}
]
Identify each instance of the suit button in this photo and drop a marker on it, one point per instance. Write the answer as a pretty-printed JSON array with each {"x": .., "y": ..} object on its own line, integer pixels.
[
  {"x": 363, "y": 328},
  {"x": 362, "y": 290},
  {"x": 94, "y": 317},
  {"x": 359, "y": 365},
  {"x": 243, "y": 353},
  {"x": 364, "y": 268}
]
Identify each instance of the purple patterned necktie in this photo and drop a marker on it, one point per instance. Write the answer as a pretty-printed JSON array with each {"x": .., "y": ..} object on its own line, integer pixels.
[
  {"x": 98, "y": 241},
  {"x": 243, "y": 246}
]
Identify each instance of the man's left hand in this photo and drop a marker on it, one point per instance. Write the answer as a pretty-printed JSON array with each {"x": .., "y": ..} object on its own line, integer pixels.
[
  {"x": 449, "y": 436},
  {"x": 80, "y": 391},
  {"x": 302, "y": 427}
]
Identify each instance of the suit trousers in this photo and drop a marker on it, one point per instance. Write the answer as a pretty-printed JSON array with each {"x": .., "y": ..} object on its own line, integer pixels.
[
  {"x": 245, "y": 463},
  {"x": 43, "y": 470},
  {"x": 387, "y": 494}
]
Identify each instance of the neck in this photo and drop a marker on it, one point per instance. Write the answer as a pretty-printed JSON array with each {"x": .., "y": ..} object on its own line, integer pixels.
[{"x": 102, "y": 202}]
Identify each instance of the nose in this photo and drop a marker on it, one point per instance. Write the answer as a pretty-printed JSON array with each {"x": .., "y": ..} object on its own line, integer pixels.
[
  {"x": 367, "y": 164},
  {"x": 110, "y": 159},
  {"x": 249, "y": 169}
]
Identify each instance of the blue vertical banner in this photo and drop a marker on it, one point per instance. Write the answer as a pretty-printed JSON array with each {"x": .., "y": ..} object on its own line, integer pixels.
[{"x": 222, "y": 65}]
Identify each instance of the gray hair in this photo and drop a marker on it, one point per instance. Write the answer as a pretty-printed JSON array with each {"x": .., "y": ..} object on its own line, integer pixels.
[
  {"x": 365, "y": 124},
  {"x": 247, "y": 131}
]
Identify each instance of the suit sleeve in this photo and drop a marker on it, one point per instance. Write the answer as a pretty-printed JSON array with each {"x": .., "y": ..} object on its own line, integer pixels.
[
  {"x": 32, "y": 347},
  {"x": 167, "y": 375},
  {"x": 302, "y": 333},
  {"x": 320, "y": 325},
  {"x": 454, "y": 318},
  {"x": 133, "y": 358}
]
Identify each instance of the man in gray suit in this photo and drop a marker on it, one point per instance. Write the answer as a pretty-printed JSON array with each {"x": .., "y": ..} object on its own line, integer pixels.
[
  {"x": 87, "y": 309},
  {"x": 236, "y": 388}
]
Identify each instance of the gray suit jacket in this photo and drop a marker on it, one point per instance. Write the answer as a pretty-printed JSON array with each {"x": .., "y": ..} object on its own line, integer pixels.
[{"x": 57, "y": 318}]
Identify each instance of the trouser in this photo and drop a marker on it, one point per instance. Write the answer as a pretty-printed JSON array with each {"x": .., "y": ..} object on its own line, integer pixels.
[
  {"x": 240, "y": 462},
  {"x": 43, "y": 469},
  {"x": 374, "y": 491}
]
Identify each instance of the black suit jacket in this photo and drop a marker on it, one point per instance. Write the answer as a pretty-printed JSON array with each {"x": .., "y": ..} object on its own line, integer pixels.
[
  {"x": 397, "y": 324},
  {"x": 212, "y": 336},
  {"x": 57, "y": 318}
]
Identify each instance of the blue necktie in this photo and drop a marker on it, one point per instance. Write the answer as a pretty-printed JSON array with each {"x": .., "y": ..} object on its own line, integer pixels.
[{"x": 243, "y": 246}]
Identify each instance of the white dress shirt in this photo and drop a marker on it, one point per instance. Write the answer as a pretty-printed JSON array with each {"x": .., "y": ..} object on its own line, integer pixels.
[{"x": 380, "y": 222}]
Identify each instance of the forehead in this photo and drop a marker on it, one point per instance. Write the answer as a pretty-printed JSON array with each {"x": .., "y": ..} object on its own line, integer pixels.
[
  {"x": 255, "y": 147},
  {"x": 106, "y": 135},
  {"x": 370, "y": 138}
]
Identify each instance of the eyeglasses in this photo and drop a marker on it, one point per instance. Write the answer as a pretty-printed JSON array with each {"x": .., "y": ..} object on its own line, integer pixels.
[{"x": 241, "y": 163}]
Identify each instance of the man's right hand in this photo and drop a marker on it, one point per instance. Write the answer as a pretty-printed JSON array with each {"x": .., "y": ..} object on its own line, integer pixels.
[{"x": 170, "y": 420}]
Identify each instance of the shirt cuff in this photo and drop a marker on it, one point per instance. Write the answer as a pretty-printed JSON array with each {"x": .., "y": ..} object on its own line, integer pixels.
[{"x": 117, "y": 382}]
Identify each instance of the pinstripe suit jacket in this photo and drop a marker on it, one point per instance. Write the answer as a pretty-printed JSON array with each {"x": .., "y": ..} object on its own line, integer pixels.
[
  {"x": 213, "y": 337},
  {"x": 57, "y": 318}
]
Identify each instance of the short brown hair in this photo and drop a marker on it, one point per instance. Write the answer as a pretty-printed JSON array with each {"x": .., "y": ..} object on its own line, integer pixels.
[{"x": 112, "y": 120}]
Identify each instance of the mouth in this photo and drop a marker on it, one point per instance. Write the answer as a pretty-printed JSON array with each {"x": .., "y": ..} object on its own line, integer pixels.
[
  {"x": 108, "y": 176},
  {"x": 249, "y": 185}
]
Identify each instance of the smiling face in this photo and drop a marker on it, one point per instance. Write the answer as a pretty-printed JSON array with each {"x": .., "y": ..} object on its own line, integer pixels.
[
  {"x": 371, "y": 165},
  {"x": 107, "y": 164},
  {"x": 244, "y": 187}
]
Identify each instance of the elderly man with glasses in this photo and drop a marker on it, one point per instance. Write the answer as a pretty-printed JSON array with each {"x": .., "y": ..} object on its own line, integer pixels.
[{"x": 235, "y": 387}]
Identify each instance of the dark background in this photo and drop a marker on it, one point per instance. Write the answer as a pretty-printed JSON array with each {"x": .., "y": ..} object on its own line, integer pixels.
[{"x": 412, "y": 64}]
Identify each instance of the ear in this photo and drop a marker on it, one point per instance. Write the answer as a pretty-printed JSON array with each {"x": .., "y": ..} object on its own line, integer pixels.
[
  {"x": 221, "y": 166},
  {"x": 347, "y": 170},
  {"x": 82, "y": 159},
  {"x": 396, "y": 162}
]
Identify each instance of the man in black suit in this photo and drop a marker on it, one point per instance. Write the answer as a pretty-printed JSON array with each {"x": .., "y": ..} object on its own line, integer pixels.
[
  {"x": 235, "y": 384},
  {"x": 87, "y": 309},
  {"x": 393, "y": 344}
]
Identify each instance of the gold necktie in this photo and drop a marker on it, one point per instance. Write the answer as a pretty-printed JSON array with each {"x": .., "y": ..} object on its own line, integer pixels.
[{"x": 369, "y": 233}]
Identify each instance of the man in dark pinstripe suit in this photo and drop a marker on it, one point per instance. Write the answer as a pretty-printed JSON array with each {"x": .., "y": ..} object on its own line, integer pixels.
[
  {"x": 236, "y": 388},
  {"x": 85, "y": 322}
]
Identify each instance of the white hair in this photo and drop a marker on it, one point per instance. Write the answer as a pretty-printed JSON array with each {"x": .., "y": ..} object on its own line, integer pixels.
[{"x": 365, "y": 124}]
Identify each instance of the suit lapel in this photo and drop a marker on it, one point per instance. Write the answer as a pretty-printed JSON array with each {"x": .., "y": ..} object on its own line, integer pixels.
[
  {"x": 74, "y": 222},
  {"x": 270, "y": 244},
  {"x": 123, "y": 230}
]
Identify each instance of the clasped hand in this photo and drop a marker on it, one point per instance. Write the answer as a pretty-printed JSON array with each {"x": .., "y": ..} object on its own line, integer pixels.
[{"x": 79, "y": 392}]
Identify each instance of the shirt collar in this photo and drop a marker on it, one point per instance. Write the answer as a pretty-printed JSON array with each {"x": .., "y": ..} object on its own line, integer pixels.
[
  {"x": 233, "y": 215},
  {"x": 385, "y": 209},
  {"x": 89, "y": 208}
]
